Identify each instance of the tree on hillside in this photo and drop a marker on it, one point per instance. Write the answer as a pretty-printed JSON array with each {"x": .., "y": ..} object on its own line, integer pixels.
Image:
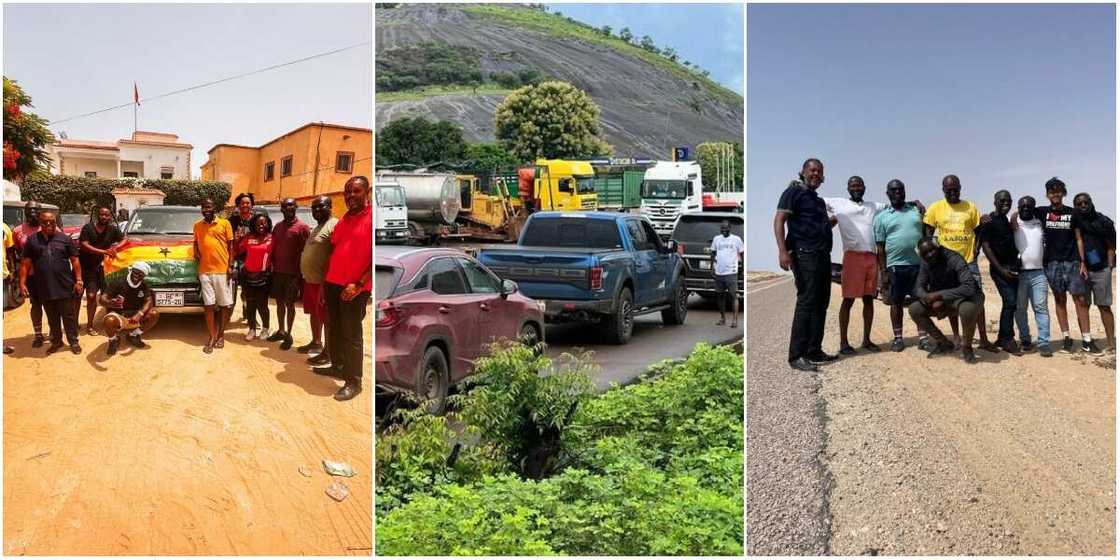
[
  {"x": 670, "y": 53},
  {"x": 489, "y": 156},
  {"x": 605, "y": 30},
  {"x": 647, "y": 44},
  {"x": 551, "y": 120},
  {"x": 625, "y": 34},
  {"x": 721, "y": 165},
  {"x": 26, "y": 135},
  {"x": 418, "y": 141}
]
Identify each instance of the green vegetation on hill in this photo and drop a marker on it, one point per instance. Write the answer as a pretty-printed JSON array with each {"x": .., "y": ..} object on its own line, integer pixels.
[
  {"x": 560, "y": 26},
  {"x": 427, "y": 64},
  {"x": 417, "y": 94}
]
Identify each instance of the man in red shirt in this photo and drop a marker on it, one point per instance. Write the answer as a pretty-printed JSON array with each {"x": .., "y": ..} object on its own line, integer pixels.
[
  {"x": 288, "y": 238},
  {"x": 347, "y": 287},
  {"x": 30, "y": 227}
]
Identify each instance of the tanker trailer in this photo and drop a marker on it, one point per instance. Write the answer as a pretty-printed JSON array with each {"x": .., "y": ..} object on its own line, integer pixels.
[{"x": 433, "y": 203}]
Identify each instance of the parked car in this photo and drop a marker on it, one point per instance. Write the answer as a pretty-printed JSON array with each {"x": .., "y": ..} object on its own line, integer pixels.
[
  {"x": 693, "y": 233},
  {"x": 595, "y": 267},
  {"x": 437, "y": 309},
  {"x": 163, "y": 236},
  {"x": 13, "y": 211},
  {"x": 72, "y": 224}
]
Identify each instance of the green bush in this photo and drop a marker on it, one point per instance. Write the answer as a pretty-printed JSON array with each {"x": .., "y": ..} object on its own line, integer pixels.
[
  {"x": 83, "y": 194},
  {"x": 654, "y": 468},
  {"x": 427, "y": 64}
]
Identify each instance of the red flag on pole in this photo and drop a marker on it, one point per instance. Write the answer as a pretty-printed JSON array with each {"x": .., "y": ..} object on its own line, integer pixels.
[{"x": 135, "y": 94}]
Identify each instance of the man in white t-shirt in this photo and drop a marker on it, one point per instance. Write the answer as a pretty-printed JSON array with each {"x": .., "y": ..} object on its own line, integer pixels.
[
  {"x": 1030, "y": 242},
  {"x": 726, "y": 252}
]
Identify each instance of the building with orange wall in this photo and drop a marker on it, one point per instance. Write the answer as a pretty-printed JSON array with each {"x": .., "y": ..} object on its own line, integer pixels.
[{"x": 314, "y": 159}]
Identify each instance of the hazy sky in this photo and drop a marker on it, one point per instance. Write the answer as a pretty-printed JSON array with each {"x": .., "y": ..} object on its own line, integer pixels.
[
  {"x": 73, "y": 59},
  {"x": 710, "y": 35},
  {"x": 1005, "y": 96}
]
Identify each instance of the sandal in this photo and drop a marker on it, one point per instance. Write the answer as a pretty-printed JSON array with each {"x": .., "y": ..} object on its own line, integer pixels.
[
  {"x": 220, "y": 343},
  {"x": 207, "y": 349}
]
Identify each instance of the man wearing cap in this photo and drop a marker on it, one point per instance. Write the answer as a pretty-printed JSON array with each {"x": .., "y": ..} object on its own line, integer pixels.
[{"x": 128, "y": 308}]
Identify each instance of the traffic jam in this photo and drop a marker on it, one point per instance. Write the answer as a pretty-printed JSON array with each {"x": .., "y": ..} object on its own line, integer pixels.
[{"x": 573, "y": 253}]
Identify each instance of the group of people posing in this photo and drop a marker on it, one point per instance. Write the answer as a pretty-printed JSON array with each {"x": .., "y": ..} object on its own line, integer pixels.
[
  {"x": 925, "y": 260},
  {"x": 327, "y": 266}
]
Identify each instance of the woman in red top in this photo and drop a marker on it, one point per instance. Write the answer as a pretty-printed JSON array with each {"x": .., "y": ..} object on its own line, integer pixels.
[{"x": 256, "y": 275}]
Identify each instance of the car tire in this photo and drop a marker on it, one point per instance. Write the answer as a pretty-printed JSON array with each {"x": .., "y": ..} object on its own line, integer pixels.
[
  {"x": 676, "y": 314},
  {"x": 530, "y": 335},
  {"x": 433, "y": 380},
  {"x": 620, "y": 325}
]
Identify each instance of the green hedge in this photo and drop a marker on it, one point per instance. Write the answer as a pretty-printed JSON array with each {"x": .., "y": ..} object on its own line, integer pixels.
[{"x": 82, "y": 194}]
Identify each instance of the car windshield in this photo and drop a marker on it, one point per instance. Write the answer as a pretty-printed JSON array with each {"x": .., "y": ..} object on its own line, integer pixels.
[
  {"x": 664, "y": 189},
  {"x": 163, "y": 221},
  {"x": 702, "y": 229},
  {"x": 13, "y": 215},
  {"x": 384, "y": 281},
  {"x": 572, "y": 232},
  {"x": 390, "y": 196}
]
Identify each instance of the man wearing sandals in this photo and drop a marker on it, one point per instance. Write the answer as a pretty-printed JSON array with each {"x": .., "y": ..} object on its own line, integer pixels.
[
  {"x": 213, "y": 245},
  {"x": 128, "y": 308}
]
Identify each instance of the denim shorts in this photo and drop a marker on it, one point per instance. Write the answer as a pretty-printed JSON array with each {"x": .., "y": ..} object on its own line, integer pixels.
[
  {"x": 1065, "y": 276},
  {"x": 903, "y": 278},
  {"x": 974, "y": 268}
]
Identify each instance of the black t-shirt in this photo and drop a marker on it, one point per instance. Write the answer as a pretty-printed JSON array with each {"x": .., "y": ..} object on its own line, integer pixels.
[
  {"x": 1099, "y": 235},
  {"x": 1057, "y": 231},
  {"x": 997, "y": 233},
  {"x": 134, "y": 298},
  {"x": 103, "y": 240},
  {"x": 808, "y": 225},
  {"x": 53, "y": 276}
]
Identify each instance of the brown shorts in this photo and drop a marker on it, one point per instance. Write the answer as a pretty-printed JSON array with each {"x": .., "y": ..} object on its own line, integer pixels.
[{"x": 286, "y": 287}]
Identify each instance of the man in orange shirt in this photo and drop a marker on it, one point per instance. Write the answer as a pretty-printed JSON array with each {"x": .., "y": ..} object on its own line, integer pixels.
[{"x": 213, "y": 245}]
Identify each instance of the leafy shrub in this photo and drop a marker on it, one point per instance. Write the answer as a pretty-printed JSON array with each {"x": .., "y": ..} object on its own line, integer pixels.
[
  {"x": 505, "y": 79},
  {"x": 83, "y": 194},
  {"x": 427, "y": 64},
  {"x": 418, "y": 141},
  {"x": 552, "y": 120}
]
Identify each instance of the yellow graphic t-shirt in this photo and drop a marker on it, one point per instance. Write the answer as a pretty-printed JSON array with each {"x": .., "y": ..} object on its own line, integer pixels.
[
  {"x": 955, "y": 226},
  {"x": 7, "y": 246}
]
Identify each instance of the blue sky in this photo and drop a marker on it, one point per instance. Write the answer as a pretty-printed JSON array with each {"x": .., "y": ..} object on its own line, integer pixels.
[
  {"x": 710, "y": 35},
  {"x": 74, "y": 59},
  {"x": 1005, "y": 96}
]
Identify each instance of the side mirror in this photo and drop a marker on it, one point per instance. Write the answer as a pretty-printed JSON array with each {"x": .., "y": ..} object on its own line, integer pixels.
[{"x": 508, "y": 287}]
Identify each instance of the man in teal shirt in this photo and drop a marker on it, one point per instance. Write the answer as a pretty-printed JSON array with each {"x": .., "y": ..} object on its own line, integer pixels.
[{"x": 897, "y": 231}]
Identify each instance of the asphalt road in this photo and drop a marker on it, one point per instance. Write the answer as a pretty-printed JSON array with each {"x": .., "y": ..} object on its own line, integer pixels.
[{"x": 652, "y": 342}]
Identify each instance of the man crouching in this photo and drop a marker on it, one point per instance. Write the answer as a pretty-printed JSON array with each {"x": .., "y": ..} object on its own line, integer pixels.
[
  {"x": 127, "y": 308},
  {"x": 945, "y": 288}
]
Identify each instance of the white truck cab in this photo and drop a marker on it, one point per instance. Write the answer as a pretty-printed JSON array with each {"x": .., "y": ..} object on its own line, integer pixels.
[
  {"x": 669, "y": 189},
  {"x": 390, "y": 213}
]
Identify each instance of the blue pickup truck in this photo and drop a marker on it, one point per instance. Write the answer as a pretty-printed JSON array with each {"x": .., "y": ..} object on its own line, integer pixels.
[{"x": 595, "y": 267}]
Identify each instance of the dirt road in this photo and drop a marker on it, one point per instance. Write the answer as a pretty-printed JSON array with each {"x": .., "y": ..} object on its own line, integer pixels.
[
  {"x": 909, "y": 455},
  {"x": 167, "y": 450}
]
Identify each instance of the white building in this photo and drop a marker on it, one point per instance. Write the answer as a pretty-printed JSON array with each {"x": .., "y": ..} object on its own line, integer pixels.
[{"x": 147, "y": 155}]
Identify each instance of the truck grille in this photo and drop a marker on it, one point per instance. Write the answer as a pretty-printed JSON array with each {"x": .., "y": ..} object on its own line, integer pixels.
[
  {"x": 395, "y": 224},
  {"x": 588, "y": 204}
]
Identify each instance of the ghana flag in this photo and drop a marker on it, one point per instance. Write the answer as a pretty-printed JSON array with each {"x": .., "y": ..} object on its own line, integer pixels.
[{"x": 171, "y": 260}]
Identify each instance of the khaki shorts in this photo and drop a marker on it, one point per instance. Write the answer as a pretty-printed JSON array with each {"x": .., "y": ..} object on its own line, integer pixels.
[{"x": 216, "y": 289}]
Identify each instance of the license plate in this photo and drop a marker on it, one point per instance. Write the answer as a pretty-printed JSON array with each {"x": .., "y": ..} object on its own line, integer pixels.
[
  {"x": 169, "y": 299},
  {"x": 705, "y": 265}
]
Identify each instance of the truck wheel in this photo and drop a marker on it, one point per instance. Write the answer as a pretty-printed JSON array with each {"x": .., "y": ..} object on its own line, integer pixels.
[
  {"x": 433, "y": 380},
  {"x": 620, "y": 325},
  {"x": 675, "y": 315}
]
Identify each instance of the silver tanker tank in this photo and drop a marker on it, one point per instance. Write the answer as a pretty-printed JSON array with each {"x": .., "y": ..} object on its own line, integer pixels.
[{"x": 431, "y": 197}]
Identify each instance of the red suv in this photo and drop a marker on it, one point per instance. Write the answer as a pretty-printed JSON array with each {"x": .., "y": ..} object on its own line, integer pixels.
[{"x": 437, "y": 309}]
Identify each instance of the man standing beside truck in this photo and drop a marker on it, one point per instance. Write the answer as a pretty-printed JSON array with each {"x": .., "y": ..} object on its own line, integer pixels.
[{"x": 726, "y": 252}]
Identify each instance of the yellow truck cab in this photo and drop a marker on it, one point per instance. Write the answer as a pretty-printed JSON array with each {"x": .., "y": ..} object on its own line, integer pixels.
[{"x": 565, "y": 185}]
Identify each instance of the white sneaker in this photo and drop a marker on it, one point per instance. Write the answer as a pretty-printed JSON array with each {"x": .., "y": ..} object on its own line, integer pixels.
[
  {"x": 262, "y": 334},
  {"x": 252, "y": 334}
]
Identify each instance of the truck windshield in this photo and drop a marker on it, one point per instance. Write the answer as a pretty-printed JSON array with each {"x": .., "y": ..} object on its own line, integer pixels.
[
  {"x": 390, "y": 196},
  {"x": 384, "y": 281},
  {"x": 585, "y": 185},
  {"x": 572, "y": 232},
  {"x": 167, "y": 221},
  {"x": 664, "y": 189},
  {"x": 702, "y": 229}
]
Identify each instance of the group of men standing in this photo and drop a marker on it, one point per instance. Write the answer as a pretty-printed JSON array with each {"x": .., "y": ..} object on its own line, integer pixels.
[
  {"x": 328, "y": 266},
  {"x": 925, "y": 260}
]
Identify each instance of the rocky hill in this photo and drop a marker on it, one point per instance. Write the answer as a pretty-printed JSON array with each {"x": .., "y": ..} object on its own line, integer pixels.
[{"x": 649, "y": 103}]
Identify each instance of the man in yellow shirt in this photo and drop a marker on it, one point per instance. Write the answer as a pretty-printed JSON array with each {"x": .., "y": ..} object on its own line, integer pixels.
[
  {"x": 8, "y": 243},
  {"x": 954, "y": 221},
  {"x": 213, "y": 245}
]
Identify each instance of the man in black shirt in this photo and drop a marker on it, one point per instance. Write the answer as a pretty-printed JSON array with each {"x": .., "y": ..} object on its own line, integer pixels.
[
  {"x": 1062, "y": 263},
  {"x": 998, "y": 242},
  {"x": 1096, "y": 246},
  {"x": 50, "y": 258},
  {"x": 128, "y": 306},
  {"x": 98, "y": 239},
  {"x": 945, "y": 288},
  {"x": 804, "y": 234},
  {"x": 239, "y": 222}
]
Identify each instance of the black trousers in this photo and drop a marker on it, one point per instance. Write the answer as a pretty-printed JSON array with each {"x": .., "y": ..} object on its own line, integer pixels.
[
  {"x": 344, "y": 330},
  {"x": 256, "y": 304},
  {"x": 62, "y": 315},
  {"x": 812, "y": 274}
]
